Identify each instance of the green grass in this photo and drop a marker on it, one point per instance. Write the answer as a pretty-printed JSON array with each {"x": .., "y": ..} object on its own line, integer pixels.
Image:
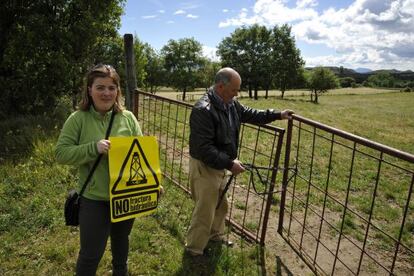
[
  {"x": 34, "y": 240},
  {"x": 385, "y": 118}
]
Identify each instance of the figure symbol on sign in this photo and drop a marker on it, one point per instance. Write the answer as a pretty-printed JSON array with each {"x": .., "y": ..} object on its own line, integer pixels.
[{"x": 136, "y": 173}]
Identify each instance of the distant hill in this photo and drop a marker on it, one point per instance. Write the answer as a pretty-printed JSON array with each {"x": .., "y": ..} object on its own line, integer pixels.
[
  {"x": 362, "y": 74},
  {"x": 363, "y": 70}
]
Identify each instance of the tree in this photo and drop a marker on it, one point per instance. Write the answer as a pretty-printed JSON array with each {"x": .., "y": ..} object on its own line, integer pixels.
[
  {"x": 55, "y": 42},
  {"x": 319, "y": 81},
  {"x": 247, "y": 51},
  {"x": 155, "y": 73},
  {"x": 263, "y": 57},
  {"x": 182, "y": 60},
  {"x": 207, "y": 73},
  {"x": 381, "y": 79},
  {"x": 347, "y": 82},
  {"x": 232, "y": 52},
  {"x": 286, "y": 59},
  {"x": 140, "y": 61}
]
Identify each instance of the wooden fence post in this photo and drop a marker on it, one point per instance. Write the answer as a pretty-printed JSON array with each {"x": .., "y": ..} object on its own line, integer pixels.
[{"x": 130, "y": 71}]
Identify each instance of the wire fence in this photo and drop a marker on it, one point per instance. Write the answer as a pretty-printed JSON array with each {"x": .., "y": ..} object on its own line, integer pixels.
[
  {"x": 168, "y": 120},
  {"x": 348, "y": 208},
  {"x": 346, "y": 203}
]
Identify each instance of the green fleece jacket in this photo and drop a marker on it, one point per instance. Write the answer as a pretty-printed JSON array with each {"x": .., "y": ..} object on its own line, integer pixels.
[{"x": 77, "y": 146}]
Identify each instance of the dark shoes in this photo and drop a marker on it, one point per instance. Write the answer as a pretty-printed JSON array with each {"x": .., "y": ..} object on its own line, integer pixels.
[
  {"x": 191, "y": 253},
  {"x": 199, "y": 260}
]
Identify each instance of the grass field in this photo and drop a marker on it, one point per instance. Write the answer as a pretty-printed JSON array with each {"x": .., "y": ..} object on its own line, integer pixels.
[
  {"x": 388, "y": 113},
  {"x": 385, "y": 118}
]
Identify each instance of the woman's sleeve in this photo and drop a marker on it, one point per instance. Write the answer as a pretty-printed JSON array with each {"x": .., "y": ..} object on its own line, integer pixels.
[
  {"x": 68, "y": 151},
  {"x": 136, "y": 129}
]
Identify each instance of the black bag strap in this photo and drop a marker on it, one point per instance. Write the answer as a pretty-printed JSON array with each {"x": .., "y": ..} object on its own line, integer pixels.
[{"x": 108, "y": 132}]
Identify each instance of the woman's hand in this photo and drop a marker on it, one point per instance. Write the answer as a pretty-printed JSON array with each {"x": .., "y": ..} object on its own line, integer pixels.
[{"x": 103, "y": 146}]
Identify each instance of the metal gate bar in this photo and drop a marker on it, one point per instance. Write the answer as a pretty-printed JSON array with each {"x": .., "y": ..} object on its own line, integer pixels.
[
  {"x": 346, "y": 212},
  {"x": 168, "y": 120}
]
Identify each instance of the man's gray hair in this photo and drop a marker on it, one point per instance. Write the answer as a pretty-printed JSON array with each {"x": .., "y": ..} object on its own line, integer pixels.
[{"x": 224, "y": 76}]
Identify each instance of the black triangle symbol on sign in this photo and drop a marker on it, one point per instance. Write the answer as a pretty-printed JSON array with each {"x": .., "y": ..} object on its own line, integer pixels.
[{"x": 115, "y": 191}]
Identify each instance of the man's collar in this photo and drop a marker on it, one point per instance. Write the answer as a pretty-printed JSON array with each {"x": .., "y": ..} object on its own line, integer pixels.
[{"x": 220, "y": 100}]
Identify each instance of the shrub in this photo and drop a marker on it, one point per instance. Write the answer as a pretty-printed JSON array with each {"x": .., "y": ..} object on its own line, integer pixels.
[{"x": 19, "y": 134}]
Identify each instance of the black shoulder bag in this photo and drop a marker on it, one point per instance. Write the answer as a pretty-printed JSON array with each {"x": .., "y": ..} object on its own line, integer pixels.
[{"x": 72, "y": 199}]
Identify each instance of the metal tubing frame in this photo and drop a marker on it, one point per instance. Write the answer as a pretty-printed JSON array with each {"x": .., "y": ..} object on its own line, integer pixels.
[{"x": 297, "y": 245}]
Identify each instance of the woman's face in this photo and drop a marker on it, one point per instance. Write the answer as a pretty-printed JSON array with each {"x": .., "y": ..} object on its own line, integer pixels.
[{"x": 103, "y": 93}]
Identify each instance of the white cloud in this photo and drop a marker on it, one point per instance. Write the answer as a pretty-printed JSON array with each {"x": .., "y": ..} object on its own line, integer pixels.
[
  {"x": 170, "y": 22},
  {"x": 192, "y": 16},
  {"x": 179, "y": 12},
  {"x": 378, "y": 33},
  {"x": 210, "y": 52},
  {"x": 306, "y": 3},
  {"x": 148, "y": 16},
  {"x": 161, "y": 11},
  {"x": 225, "y": 10}
]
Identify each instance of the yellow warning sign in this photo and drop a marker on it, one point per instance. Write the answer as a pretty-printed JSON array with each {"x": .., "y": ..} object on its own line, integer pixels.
[{"x": 135, "y": 176}]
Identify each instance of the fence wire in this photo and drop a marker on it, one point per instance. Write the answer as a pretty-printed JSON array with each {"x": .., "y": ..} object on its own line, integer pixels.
[
  {"x": 168, "y": 120},
  {"x": 346, "y": 204},
  {"x": 348, "y": 209}
]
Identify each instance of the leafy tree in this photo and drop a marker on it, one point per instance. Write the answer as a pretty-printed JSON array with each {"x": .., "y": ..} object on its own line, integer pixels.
[
  {"x": 111, "y": 51},
  {"x": 207, "y": 73},
  {"x": 182, "y": 60},
  {"x": 286, "y": 58},
  {"x": 319, "y": 81},
  {"x": 347, "y": 82},
  {"x": 140, "y": 61},
  {"x": 381, "y": 79},
  {"x": 233, "y": 53},
  {"x": 263, "y": 57},
  {"x": 47, "y": 46},
  {"x": 247, "y": 51},
  {"x": 154, "y": 69}
]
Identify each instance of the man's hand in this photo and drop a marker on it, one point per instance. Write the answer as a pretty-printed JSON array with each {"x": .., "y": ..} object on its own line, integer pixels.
[
  {"x": 286, "y": 114},
  {"x": 237, "y": 167}
]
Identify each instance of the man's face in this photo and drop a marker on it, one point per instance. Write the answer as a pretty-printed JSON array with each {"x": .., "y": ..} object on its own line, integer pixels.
[{"x": 230, "y": 90}]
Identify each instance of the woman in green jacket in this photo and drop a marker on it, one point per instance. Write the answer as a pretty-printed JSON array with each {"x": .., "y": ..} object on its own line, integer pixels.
[{"x": 80, "y": 142}]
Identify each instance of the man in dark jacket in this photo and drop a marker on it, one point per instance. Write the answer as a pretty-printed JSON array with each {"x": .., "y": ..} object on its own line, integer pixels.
[{"x": 214, "y": 130}]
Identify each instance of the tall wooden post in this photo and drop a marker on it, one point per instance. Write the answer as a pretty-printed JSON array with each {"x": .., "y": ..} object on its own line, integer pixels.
[{"x": 130, "y": 71}]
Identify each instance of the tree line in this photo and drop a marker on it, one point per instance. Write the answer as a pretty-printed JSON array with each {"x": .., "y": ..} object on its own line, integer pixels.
[{"x": 47, "y": 47}]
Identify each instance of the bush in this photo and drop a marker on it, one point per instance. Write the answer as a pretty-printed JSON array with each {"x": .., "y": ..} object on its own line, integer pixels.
[
  {"x": 406, "y": 89},
  {"x": 19, "y": 134},
  {"x": 17, "y": 137}
]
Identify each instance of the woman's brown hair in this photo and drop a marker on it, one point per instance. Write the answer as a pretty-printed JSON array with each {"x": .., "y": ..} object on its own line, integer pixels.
[{"x": 100, "y": 71}]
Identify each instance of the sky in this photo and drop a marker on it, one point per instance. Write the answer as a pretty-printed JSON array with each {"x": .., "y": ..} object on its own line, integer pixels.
[{"x": 374, "y": 34}]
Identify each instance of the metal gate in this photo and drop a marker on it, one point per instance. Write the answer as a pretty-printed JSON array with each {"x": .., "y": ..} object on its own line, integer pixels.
[
  {"x": 251, "y": 194},
  {"x": 346, "y": 202},
  {"x": 348, "y": 208}
]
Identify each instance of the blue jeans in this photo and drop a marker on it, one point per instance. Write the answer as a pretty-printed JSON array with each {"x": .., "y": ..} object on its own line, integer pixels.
[{"x": 95, "y": 228}]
